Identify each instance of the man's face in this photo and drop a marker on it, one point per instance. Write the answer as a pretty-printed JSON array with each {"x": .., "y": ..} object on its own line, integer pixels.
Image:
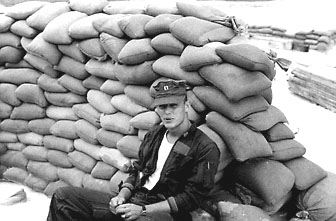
[{"x": 173, "y": 114}]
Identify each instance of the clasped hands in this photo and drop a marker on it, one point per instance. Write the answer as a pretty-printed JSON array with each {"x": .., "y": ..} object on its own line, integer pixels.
[{"x": 128, "y": 211}]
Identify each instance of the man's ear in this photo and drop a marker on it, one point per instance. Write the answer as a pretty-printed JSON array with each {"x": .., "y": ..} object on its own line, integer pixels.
[{"x": 186, "y": 105}]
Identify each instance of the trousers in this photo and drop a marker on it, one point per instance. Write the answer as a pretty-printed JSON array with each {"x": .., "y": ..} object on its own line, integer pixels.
[{"x": 79, "y": 204}]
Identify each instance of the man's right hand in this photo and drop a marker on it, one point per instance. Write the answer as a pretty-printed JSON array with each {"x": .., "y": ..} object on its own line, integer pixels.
[{"x": 116, "y": 201}]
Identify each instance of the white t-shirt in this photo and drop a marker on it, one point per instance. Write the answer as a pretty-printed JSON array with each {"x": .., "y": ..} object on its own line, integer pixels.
[{"x": 164, "y": 151}]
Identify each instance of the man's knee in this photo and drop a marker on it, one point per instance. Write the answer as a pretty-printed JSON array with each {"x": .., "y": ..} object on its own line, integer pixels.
[{"x": 63, "y": 192}]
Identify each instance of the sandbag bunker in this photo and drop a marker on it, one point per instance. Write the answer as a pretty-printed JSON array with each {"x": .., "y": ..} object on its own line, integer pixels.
[{"x": 75, "y": 105}]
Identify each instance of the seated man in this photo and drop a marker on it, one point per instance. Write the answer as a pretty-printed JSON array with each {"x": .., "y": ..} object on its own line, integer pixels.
[{"x": 172, "y": 176}]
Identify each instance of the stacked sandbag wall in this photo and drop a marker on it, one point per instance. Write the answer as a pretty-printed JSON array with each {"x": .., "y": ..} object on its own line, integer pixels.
[{"x": 75, "y": 96}]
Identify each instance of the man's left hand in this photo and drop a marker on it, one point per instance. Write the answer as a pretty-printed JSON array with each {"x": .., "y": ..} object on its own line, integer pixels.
[{"x": 129, "y": 211}]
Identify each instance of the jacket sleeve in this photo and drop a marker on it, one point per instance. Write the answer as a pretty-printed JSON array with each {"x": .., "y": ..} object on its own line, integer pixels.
[{"x": 200, "y": 183}]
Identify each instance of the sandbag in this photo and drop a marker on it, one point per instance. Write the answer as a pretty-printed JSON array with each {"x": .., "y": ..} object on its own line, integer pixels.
[
  {"x": 236, "y": 83},
  {"x": 168, "y": 66},
  {"x": 41, "y": 126},
  {"x": 140, "y": 95},
  {"x": 5, "y": 22},
  {"x": 90, "y": 149},
  {"x": 243, "y": 142},
  {"x": 8, "y": 137},
  {"x": 88, "y": 113},
  {"x": 31, "y": 138},
  {"x": 112, "y": 45},
  {"x": 195, "y": 102},
  {"x": 103, "y": 170},
  {"x": 64, "y": 128},
  {"x": 71, "y": 176},
  {"x": 279, "y": 131},
  {"x": 58, "y": 143},
  {"x": 14, "y": 158},
  {"x": 21, "y": 28},
  {"x": 134, "y": 25},
  {"x": 146, "y": 120},
  {"x": 5, "y": 110},
  {"x": 35, "y": 183},
  {"x": 83, "y": 28},
  {"x": 112, "y": 87},
  {"x": 28, "y": 111},
  {"x": 92, "y": 48},
  {"x": 19, "y": 76},
  {"x": 93, "y": 82},
  {"x": 160, "y": 24},
  {"x": 64, "y": 99},
  {"x": 108, "y": 138},
  {"x": 7, "y": 94},
  {"x": 249, "y": 57},
  {"x": 31, "y": 93},
  {"x": 56, "y": 31},
  {"x": 72, "y": 51},
  {"x": 15, "y": 146},
  {"x": 104, "y": 69},
  {"x": 136, "y": 74},
  {"x": 10, "y": 39},
  {"x": 61, "y": 113},
  {"x": 24, "y": 9},
  {"x": 14, "y": 126},
  {"x": 115, "y": 158},
  {"x": 44, "y": 49},
  {"x": 286, "y": 149},
  {"x": 215, "y": 100},
  {"x": 50, "y": 84},
  {"x": 15, "y": 174},
  {"x": 45, "y": 14},
  {"x": 118, "y": 122},
  {"x": 9, "y": 54},
  {"x": 41, "y": 64},
  {"x": 306, "y": 172},
  {"x": 124, "y": 104},
  {"x": 82, "y": 161},
  {"x": 36, "y": 153},
  {"x": 137, "y": 51},
  {"x": 59, "y": 159},
  {"x": 20, "y": 64},
  {"x": 320, "y": 199},
  {"x": 72, "y": 67},
  {"x": 124, "y": 8},
  {"x": 86, "y": 131},
  {"x": 43, "y": 170},
  {"x": 109, "y": 25},
  {"x": 97, "y": 184},
  {"x": 101, "y": 101},
  {"x": 155, "y": 9},
  {"x": 129, "y": 146},
  {"x": 87, "y": 6},
  {"x": 201, "y": 11},
  {"x": 166, "y": 43}
]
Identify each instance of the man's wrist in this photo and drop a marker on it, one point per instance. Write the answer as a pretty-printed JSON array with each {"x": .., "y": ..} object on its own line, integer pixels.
[{"x": 144, "y": 211}]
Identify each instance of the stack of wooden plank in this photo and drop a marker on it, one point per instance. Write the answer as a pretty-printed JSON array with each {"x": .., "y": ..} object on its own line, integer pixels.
[{"x": 316, "y": 84}]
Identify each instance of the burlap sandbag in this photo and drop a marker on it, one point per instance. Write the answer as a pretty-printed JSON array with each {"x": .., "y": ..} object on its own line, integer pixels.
[
  {"x": 82, "y": 161},
  {"x": 19, "y": 76},
  {"x": 57, "y": 30},
  {"x": 198, "y": 32},
  {"x": 134, "y": 25},
  {"x": 215, "y": 100},
  {"x": 140, "y": 95},
  {"x": 286, "y": 149},
  {"x": 72, "y": 67},
  {"x": 15, "y": 146},
  {"x": 115, "y": 158},
  {"x": 5, "y": 22},
  {"x": 64, "y": 99},
  {"x": 108, "y": 138},
  {"x": 103, "y": 69},
  {"x": 58, "y": 143},
  {"x": 116, "y": 179},
  {"x": 53, "y": 186},
  {"x": 109, "y": 25},
  {"x": 267, "y": 94},
  {"x": 45, "y": 14},
  {"x": 20, "y": 64},
  {"x": 36, "y": 153},
  {"x": 9, "y": 39},
  {"x": 14, "y": 126},
  {"x": 124, "y": 104},
  {"x": 160, "y": 24},
  {"x": 64, "y": 128},
  {"x": 129, "y": 146},
  {"x": 236, "y": 83},
  {"x": 9, "y": 54},
  {"x": 40, "y": 47},
  {"x": 118, "y": 122},
  {"x": 307, "y": 173},
  {"x": 200, "y": 11},
  {"x": 8, "y": 137},
  {"x": 168, "y": 66},
  {"x": 112, "y": 45},
  {"x": 269, "y": 179},
  {"x": 15, "y": 174},
  {"x": 137, "y": 51},
  {"x": 88, "y": 148},
  {"x": 72, "y": 51},
  {"x": 50, "y": 84},
  {"x": 41, "y": 64},
  {"x": 7, "y": 94},
  {"x": 35, "y": 183},
  {"x": 87, "y": 6},
  {"x": 28, "y": 111},
  {"x": 44, "y": 170},
  {"x": 61, "y": 113},
  {"x": 87, "y": 112},
  {"x": 21, "y": 28},
  {"x": 320, "y": 199},
  {"x": 166, "y": 43},
  {"x": 249, "y": 57},
  {"x": 193, "y": 58},
  {"x": 156, "y": 8},
  {"x": 3, "y": 149},
  {"x": 72, "y": 84},
  {"x": 41, "y": 126},
  {"x": 103, "y": 170},
  {"x": 279, "y": 131},
  {"x": 93, "y": 82},
  {"x": 136, "y": 74},
  {"x": 59, "y": 158},
  {"x": 5, "y": 110},
  {"x": 14, "y": 158},
  {"x": 31, "y": 138},
  {"x": 101, "y": 101},
  {"x": 243, "y": 142},
  {"x": 146, "y": 120},
  {"x": 71, "y": 176},
  {"x": 31, "y": 93},
  {"x": 92, "y": 48},
  {"x": 124, "y": 7},
  {"x": 92, "y": 183},
  {"x": 24, "y": 9},
  {"x": 86, "y": 131},
  {"x": 83, "y": 28},
  {"x": 238, "y": 212}
]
